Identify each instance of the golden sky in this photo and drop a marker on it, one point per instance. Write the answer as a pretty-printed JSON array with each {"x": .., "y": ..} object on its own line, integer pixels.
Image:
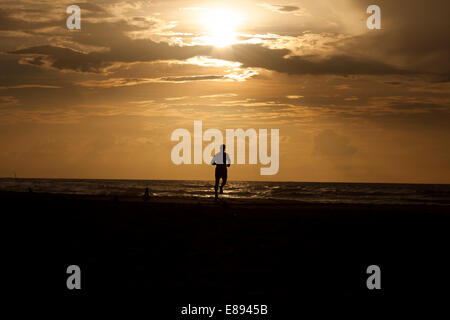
[{"x": 351, "y": 104}]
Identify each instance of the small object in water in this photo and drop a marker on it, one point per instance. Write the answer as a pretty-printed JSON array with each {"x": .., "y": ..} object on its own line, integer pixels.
[
  {"x": 116, "y": 199},
  {"x": 30, "y": 190},
  {"x": 146, "y": 195}
]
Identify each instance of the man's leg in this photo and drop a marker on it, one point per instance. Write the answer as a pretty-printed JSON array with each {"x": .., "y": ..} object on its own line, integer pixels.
[
  {"x": 224, "y": 181},
  {"x": 216, "y": 186}
]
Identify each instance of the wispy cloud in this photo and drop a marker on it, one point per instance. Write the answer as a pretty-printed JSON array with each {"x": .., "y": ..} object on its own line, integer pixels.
[
  {"x": 8, "y": 101},
  {"x": 26, "y": 86},
  {"x": 294, "y": 97},
  {"x": 176, "y": 98},
  {"x": 284, "y": 8},
  {"x": 219, "y": 95},
  {"x": 126, "y": 82}
]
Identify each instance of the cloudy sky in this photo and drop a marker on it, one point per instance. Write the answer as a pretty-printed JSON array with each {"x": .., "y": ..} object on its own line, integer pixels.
[{"x": 351, "y": 104}]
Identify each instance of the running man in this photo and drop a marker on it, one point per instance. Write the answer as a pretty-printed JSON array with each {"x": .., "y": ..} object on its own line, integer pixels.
[{"x": 221, "y": 160}]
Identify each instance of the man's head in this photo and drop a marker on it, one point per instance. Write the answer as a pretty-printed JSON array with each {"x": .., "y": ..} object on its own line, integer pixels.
[{"x": 222, "y": 147}]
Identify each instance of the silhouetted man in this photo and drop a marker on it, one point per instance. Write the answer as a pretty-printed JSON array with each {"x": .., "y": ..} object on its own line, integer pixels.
[{"x": 221, "y": 160}]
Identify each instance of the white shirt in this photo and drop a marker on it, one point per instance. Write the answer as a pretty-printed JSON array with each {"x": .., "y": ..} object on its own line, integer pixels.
[{"x": 218, "y": 158}]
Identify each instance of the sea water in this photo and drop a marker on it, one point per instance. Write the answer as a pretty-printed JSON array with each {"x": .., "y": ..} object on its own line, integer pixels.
[{"x": 310, "y": 192}]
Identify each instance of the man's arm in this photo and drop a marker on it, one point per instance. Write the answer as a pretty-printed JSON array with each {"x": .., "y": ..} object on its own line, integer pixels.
[{"x": 228, "y": 160}]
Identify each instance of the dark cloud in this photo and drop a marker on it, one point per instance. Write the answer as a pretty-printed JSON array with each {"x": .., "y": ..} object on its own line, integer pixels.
[
  {"x": 254, "y": 55},
  {"x": 281, "y": 8},
  {"x": 90, "y": 7},
  {"x": 120, "y": 48},
  {"x": 36, "y": 61},
  {"x": 414, "y": 35},
  {"x": 286, "y": 8},
  {"x": 401, "y": 105},
  {"x": 64, "y": 58},
  {"x": 10, "y": 23},
  {"x": 15, "y": 71},
  {"x": 194, "y": 78},
  {"x": 250, "y": 55},
  {"x": 391, "y": 51}
]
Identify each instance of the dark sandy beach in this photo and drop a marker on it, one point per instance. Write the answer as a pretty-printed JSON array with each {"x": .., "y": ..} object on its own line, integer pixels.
[{"x": 180, "y": 251}]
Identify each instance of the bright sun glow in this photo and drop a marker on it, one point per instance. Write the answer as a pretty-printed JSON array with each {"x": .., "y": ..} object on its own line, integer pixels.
[{"x": 221, "y": 27}]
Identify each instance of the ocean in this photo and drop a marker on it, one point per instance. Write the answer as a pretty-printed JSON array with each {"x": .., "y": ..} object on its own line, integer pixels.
[{"x": 309, "y": 192}]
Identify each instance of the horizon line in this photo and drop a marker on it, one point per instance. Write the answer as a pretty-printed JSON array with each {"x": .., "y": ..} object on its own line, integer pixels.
[{"x": 270, "y": 181}]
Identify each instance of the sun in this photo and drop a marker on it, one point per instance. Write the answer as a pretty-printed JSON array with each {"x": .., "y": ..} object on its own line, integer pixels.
[{"x": 220, "y": 26}]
